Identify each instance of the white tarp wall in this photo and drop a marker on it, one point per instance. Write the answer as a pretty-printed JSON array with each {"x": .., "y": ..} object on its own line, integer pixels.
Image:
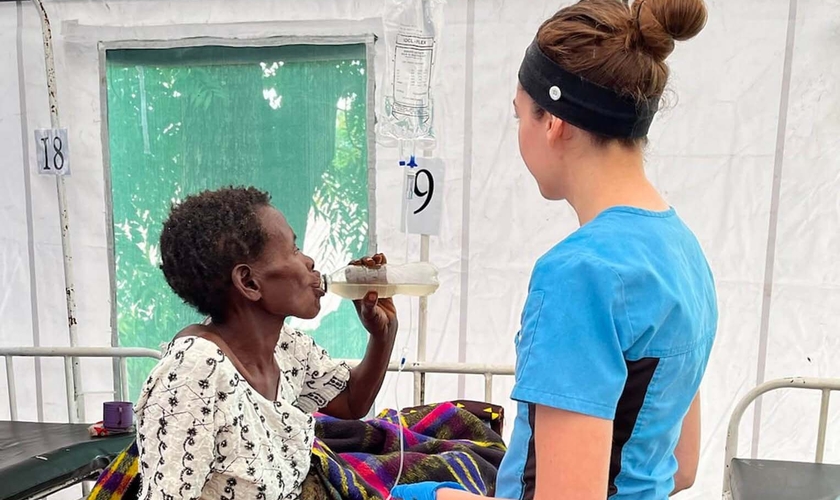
[{"x": 747, "y": 154}]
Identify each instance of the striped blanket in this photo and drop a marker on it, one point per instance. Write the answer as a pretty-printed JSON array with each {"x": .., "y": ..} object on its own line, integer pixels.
[{"x": 359, "y": 460}]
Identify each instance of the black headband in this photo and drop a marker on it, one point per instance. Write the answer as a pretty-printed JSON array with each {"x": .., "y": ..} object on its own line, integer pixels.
[{"x": 582, "y": 103}]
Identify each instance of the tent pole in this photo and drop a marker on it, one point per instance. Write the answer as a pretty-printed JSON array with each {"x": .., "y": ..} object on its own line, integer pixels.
[
  {"x": 423, "y": 321},
  {"x": 69, "y": 284}
]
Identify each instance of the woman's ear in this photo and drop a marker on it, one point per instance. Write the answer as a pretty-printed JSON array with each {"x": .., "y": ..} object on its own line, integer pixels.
[
  {"x": 554, "y": 130},
  {"x": 245, "y": 282}
]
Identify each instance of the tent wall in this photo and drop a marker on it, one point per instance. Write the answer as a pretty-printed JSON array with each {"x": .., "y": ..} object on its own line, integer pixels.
[{"x": 715, "y": 153}]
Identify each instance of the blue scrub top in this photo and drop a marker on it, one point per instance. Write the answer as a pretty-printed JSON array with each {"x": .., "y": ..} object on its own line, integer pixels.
[{"x": 618, "y": 324}]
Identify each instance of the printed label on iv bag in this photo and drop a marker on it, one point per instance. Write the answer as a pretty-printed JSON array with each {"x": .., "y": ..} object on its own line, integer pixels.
[
  {"x": 423, "y": 197},
  {"x": 413, "y": 60}
]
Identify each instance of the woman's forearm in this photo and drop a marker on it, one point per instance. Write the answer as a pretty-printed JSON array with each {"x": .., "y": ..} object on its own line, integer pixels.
[{"x": 366, "y": 378}]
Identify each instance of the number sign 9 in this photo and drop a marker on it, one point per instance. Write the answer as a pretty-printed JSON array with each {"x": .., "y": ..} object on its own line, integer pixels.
[
  {"x": 429, "y": 193},
  {"x": 423, "y": 197}
]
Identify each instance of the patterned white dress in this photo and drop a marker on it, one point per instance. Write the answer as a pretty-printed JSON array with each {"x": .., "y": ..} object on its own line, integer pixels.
[{"x": 205, "y": 433}]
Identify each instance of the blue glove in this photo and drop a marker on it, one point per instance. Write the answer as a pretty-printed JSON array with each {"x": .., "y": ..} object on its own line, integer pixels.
[{"x": 422, "y": 491}]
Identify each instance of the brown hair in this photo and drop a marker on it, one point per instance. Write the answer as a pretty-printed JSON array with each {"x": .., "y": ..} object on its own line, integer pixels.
[{"x": 619, "y": 46}]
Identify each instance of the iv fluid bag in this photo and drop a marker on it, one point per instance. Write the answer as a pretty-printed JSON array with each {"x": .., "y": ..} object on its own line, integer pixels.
[{"x": 412, "y": 36}]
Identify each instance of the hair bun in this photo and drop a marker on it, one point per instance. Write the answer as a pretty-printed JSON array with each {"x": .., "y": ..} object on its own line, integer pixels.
[{"x": 661, "y": 22}]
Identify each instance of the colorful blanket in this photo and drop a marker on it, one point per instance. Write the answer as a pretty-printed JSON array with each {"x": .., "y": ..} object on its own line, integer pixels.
[{"x": 360, "y": 460}]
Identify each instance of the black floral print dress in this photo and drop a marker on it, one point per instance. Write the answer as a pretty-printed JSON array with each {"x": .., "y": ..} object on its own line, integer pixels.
[{"x": 205, "y": 433}]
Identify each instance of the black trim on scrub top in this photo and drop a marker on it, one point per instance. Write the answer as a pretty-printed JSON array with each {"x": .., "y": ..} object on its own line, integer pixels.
[
  {"x": 529, "y": 474},
  {"x": 639, "y": 376}
]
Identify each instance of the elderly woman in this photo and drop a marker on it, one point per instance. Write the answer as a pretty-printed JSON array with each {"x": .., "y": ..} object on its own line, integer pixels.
[{"x": 227, "y": 413}]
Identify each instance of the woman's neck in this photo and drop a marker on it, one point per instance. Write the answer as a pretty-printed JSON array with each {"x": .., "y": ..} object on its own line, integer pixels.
[
  {"x": 252, "y": 336},
  {"x": 611, "y": 177}
]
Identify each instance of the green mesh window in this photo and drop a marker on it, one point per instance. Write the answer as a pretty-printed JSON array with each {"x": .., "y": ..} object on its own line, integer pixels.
[{"x": 290, "y": 120}]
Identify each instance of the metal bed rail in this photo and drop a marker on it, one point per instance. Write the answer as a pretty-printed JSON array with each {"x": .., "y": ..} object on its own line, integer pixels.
[
  {"x": 74, "y": 394},
  {"x": 825, "y": 386},
  {"x": 70, "y": 354},
  {"x": 425, "y": 367}
]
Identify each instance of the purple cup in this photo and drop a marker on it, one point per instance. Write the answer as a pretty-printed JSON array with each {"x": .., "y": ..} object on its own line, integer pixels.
[{"x": 118, "y": 415}]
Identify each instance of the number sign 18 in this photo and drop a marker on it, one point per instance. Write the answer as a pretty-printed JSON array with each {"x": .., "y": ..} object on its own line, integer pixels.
[{"x": 52, "y": 150}]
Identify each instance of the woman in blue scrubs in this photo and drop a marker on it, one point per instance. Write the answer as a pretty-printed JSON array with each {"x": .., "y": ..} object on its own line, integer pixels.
[{"x": 621, "y": 315}]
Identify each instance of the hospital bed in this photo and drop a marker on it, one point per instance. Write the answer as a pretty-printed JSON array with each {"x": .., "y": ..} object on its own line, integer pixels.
[
  {"x": 756, "y": 479},
  {"x": 38, "y": 458}
]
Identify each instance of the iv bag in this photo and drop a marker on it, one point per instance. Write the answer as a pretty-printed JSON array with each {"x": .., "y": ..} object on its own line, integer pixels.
[{"x": 412, "y": 37}]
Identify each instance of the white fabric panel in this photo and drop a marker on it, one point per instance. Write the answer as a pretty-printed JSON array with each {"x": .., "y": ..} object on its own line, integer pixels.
[
  {"x": 15, "y": 311},
  {"x": 725, "y": 83},
  {"x": 805, "y": 316}
]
